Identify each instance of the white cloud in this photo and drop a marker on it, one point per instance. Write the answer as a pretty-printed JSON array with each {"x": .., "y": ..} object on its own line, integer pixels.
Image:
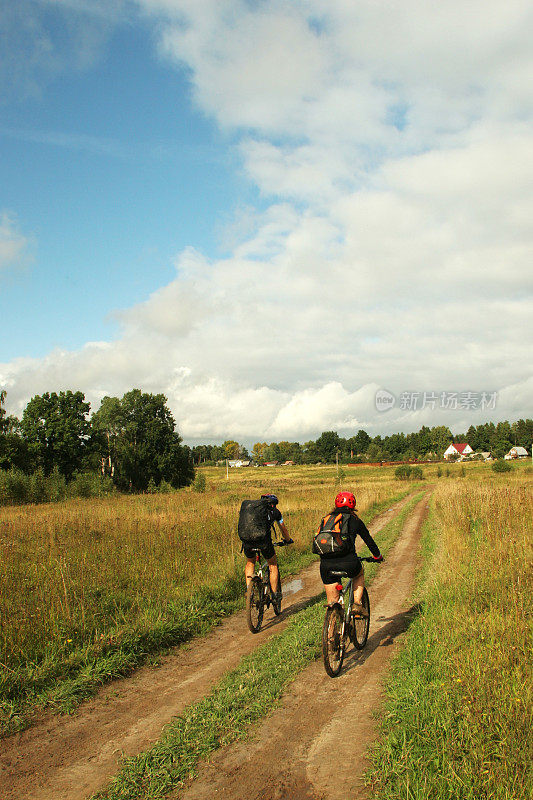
[{"x": 392, "y": 141}]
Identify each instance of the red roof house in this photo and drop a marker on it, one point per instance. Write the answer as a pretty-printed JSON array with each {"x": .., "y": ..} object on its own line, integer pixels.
[{"x": 458, "y": 449}]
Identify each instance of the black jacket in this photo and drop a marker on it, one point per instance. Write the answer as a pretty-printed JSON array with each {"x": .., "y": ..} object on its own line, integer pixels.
[{"x": 356, "y": 527}]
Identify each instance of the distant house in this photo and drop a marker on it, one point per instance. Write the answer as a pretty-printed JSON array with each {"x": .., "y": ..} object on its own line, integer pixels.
[
  {"x": 457, "y": 450},
  {"x": 516, "y": 452}
]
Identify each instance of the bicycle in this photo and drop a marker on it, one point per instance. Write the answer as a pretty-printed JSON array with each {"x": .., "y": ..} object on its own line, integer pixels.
[
  {"x": 259, "y": 593},
  {"x": 337, "y": 625}
]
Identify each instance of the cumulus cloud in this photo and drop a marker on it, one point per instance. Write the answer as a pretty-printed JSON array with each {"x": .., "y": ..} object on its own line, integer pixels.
[{"x": 391, "y": 145}]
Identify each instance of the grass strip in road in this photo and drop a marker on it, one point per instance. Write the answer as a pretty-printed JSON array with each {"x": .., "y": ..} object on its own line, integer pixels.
[
  {"x": 243, "y": 696},
  {"x": 459, "y": 716}
]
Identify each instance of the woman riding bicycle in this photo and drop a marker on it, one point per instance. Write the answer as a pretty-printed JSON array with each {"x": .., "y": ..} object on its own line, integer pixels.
[{"x": 350, "y": 563}]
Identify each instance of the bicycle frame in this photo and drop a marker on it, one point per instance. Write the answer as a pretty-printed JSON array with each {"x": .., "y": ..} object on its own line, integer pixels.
[
  {"x": 338, "y": 625},
  {"x": 262, "y": 596},
  {"x": 345, "y": 591}
]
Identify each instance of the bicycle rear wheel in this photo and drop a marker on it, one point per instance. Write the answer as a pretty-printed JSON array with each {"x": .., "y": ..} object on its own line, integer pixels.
[
  {"x": 254, "y": 605},
  {"x": 333, "y": 640},
  {"x": 361, "y": 624}
]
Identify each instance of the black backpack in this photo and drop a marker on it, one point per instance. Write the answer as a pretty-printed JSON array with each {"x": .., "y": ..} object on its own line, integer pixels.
[
  {"x": 332, "y": 538},
  {"x": 254, "y": 520}
]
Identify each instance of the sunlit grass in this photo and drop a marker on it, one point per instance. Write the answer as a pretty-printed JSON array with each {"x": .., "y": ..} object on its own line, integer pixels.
[
  {"x": 460, "y": 709},
  {"x": 112, "y": 579}
]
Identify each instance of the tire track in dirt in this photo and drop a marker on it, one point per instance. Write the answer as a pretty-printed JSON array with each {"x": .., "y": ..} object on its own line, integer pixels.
[
  {"x": 312, "y": 746},
  {"x": 71, "y": 757}
]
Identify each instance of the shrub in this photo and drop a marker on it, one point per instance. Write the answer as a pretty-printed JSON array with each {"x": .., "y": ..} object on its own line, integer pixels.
[
  {"x": 152, "y": 487},
  {"x": 39, "y": 487},
  {"x": 89, "y": 484},
  {"x": 16, "y": 487},
  {"x": 417, "y": 473},
  {"x": 57, "y": 486},
  {"x": 439, "y": 472},
  {"x": 165, "y": 487},
  {"x": 501, "y": 465},
  {"x": 199, "y": 482},
  {"x": 403, "y": 472}
]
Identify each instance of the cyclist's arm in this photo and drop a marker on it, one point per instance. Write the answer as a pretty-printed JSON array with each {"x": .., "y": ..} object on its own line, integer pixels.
[
  {"x": 364, "y": 533},
  {"x": 283, "y": 529}
]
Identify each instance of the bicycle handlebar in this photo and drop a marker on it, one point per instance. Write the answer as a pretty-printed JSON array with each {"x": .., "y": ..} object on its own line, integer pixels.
[
  {"x": 283, "y": 543},
  {"x": 371, "y": 559}
]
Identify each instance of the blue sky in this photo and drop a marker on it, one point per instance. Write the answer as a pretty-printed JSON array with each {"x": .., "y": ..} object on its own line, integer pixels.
[
  {"x": 268, "y": 211},
  {"x": 110, "y": 171}
]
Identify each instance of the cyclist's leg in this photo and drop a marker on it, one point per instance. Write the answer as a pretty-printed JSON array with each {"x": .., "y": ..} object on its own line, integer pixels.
[
  {"x": 358, "y": 586},
  {"x": 332, "y": 593},
  {"x": 274, "y": 573},
  {"x": 249, "y": 569},
  {"x": 329, "y": 581}
]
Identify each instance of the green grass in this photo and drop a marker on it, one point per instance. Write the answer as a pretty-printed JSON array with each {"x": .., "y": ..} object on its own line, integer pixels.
[
  {"x": 242, "y": 697},
  {"x": 458, "y": 718}
]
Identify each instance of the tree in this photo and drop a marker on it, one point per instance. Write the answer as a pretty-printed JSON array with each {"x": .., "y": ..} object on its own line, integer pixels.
[
  {"x": 107, "y": 424},
  {"x": 327, "y": 445},
  {"x": 441, "y": 436},
  {"x": 13, "y": 448},
  {"x": 232, "y": 449},
  {"x": 259, "y": 450},
  {"x": 141, "y": 442},
  {"x": 374, "y": 452},
  {"x": 522, "y": 433},
  {"x": 310, "y": 453},
  {"x": 57, "y": 431}
]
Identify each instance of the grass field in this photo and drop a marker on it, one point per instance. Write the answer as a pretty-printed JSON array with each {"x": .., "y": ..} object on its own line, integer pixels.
[
  {"x": 90, "y": 588},
  {"x": 459, "y": 716}
]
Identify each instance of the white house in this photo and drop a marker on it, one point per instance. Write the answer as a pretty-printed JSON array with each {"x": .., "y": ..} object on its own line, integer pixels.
[
  {"x": 457, "y": 450},
  {"x": 516, "y": 452}
]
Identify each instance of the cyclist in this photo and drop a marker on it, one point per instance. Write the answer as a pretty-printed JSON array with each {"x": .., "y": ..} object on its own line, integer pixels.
[
  {"x": 345, "y": 504},
  {"x": 266, "y": 546}
]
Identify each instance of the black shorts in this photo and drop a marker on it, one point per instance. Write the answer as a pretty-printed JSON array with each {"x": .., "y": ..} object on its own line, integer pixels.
[
  {"x": 265, "y": 545},
  {"x": 349, "y": 564}
]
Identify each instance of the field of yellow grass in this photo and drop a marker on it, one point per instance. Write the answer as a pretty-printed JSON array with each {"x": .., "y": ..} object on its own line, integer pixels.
[
  {"x": 460, "y": 711},
  {"x": 91, "y": 586}
]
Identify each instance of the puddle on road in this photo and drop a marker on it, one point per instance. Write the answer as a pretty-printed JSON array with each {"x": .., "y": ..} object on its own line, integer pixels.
[{"x": 293, "y": 586}]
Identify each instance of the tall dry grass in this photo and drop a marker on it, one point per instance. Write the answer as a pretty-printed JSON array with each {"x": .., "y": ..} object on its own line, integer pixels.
[
  {"x": 460, "y": 711},
  {"x": 82, "y": 577}
]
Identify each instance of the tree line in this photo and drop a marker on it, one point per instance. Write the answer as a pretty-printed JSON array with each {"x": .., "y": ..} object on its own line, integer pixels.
[
  {"x": 427, "y": 443},
  {"x": 130, "y": 440}
]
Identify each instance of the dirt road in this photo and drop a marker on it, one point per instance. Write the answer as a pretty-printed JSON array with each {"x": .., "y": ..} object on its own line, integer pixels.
[
  {"x": 302, "y": 756},
  {"x": 69, "y": 758}
]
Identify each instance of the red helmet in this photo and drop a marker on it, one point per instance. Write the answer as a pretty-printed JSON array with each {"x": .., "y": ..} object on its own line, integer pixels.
[{"x": 345, "y": 500}]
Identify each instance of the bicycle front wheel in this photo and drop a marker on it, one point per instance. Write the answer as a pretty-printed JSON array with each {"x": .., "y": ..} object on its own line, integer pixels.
[
  {"x": 254, "y": 604},
  {"x": 361, "y": 624},
  {"x": 333, "y": 640}
]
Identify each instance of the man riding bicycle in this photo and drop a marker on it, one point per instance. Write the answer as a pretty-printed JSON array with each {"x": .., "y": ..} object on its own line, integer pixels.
[{"x": 266, "y": 547}]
